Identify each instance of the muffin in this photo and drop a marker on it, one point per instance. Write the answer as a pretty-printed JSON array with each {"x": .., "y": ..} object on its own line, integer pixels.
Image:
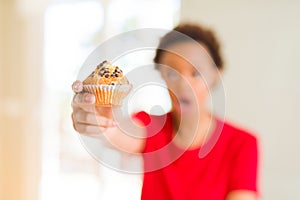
[{"x": 108, "y": 83}]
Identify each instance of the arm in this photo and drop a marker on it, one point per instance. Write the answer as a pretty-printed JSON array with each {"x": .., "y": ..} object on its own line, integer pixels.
[
  {"x": 242, "y": 195},
  {"x": 89, "y": 121}
]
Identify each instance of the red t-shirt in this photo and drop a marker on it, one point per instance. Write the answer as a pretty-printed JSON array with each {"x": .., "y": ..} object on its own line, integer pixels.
[{"x": 228, "y": 162}]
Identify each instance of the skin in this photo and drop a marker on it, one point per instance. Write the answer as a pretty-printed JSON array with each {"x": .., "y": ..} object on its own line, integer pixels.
[
  {"x": 98, "y": 122},
  {"x": 190, "y": 75}
]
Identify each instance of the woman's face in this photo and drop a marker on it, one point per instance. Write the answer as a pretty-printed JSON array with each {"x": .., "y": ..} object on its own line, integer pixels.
[{"x": 189, "y": 73}]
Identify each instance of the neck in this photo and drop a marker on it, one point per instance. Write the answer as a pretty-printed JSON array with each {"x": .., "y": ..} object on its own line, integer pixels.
[{"x": 191, "y": 131}]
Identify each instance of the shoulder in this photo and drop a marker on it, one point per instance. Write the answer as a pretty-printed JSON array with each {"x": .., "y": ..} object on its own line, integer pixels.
[
  {"x": 234, "y": 130},
  {"x": 237, "y": 137},
  {"x": 228, "y": 139}
]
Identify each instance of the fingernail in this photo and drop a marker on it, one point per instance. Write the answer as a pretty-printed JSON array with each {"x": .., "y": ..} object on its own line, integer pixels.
[
  {"x": 77, "y": 86},
  {"x": 89, "y": 98}
]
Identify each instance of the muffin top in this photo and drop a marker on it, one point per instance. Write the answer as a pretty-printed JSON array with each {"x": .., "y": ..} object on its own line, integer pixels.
[{"x": 106, "y": 74}]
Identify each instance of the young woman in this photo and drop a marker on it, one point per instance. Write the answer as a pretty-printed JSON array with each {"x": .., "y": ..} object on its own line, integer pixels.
[{"x": 190, "y": 70}]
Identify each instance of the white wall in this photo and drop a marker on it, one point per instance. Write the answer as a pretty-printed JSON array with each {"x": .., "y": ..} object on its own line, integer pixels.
[{"x": 260, "y": 42}]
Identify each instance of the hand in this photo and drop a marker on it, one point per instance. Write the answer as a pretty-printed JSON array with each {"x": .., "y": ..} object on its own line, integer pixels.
[
  {"x": 97, "y": 121},
  {"x": 88, "y": 119}
]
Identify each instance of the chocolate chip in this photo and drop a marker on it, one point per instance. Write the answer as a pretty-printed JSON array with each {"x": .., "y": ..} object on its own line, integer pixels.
[
  {"x": 100, "y": 74},
  {"x": 106, "y": 75}
]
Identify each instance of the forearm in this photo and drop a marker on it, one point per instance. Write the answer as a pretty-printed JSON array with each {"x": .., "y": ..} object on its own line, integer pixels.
[
  {"x": 124, "y": 142},
  {"x": 242, "y": 195},
  {"x": 128, "y": 138}
]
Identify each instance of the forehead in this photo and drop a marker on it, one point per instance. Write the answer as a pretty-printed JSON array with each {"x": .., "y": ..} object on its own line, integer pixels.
[{"x": 189, "y": 53}]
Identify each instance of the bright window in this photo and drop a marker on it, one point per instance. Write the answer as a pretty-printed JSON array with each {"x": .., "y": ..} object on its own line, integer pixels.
[
  {"x": 68, "y": 171},
  {"x": 72, "y": 31}
]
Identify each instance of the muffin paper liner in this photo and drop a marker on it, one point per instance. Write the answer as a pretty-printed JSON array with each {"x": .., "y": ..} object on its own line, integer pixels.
[{"x": 108, "y": 95}]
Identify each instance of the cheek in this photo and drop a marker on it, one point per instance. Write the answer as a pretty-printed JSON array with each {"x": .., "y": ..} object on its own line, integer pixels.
[
  {"x": 173, "y": 87},
  {"x": 197, "y": 88},
  {"x": 201, "y": 90}
]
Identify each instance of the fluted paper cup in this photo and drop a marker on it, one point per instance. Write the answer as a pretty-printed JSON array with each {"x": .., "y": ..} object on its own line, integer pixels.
[{"x": 108, "y": 95}]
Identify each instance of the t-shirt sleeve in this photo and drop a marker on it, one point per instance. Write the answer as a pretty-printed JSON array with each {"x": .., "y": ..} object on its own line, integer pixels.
[
  {"x": 142, "y": 117},
  {"x": 245, "y": 168},
  {"x": 153, "y": 124}
]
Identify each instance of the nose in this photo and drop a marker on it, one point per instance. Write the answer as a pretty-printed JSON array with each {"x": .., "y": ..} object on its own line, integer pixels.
[{"x": 184, "y": 84}]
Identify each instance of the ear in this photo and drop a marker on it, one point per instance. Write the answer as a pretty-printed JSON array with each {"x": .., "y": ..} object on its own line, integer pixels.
[{"x": 217, "y": 73}]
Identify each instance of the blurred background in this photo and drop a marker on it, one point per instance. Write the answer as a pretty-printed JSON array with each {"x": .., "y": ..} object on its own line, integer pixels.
[{"x": 43, "y": 43}]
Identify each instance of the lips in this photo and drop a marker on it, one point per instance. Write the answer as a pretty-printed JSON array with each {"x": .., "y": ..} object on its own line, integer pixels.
[{"x": 183, "y": 103}]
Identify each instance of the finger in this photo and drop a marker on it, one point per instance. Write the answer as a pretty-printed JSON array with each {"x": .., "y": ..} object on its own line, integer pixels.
[
  {"x": 88, "y": 129},
  {"x": 73, "y": 121},
  {"x": 84, "y": 98},
  {"x": 84, "y": 101},
  {"x": 77, "y": 86},
  {"x": 82, "y": 116},
  {"x": 84, "y": 107}
]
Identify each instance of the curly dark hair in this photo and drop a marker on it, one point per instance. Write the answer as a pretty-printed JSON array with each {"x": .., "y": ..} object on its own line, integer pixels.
[{"x": 196, "y": 32}]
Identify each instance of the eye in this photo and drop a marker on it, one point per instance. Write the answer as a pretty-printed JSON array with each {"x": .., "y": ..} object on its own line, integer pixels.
[
  {"x": 197, "y": 74},
  {"x": 172, "y": 75}
]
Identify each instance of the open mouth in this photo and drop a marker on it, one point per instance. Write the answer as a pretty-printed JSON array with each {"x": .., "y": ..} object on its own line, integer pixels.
[{"x": 184, "y": 103}]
